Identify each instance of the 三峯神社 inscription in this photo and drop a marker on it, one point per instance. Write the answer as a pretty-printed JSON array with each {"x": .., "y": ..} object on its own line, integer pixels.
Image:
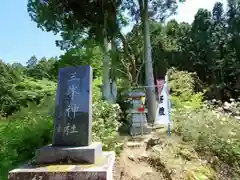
[{"x": 73, "y": 118}]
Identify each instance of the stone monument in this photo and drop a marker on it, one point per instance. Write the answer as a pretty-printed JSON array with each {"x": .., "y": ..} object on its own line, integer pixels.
[{"x": 72, "y": 154}]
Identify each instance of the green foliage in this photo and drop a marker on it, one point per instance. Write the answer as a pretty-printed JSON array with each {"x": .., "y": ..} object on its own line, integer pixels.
[
  {"x": 29, "y": 129},
  {"x": 23, "y": 133},
  {"x": 182, "y": 85},
  {"x": 74, "y": 19},
  {"x": 210, "y": 131},
  {"x": 42, "y": 68},
  {"x": 92, "y": 56},
  {"x": 23, "y": 92},
  {"x": 34, "y": 90},
  {"x": 207, "y": 129},
  {"x": 8, "y": 102},
  {"x": 106, "y": 120},
  {"x": 105, "y": 125},
  {"x": 22, "y": 85},
  {"x": 208, "y": 46}
]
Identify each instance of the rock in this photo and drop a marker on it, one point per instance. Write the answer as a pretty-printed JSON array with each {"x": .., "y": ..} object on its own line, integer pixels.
[
  {"x": 188, "y": 154},
  {"x": 143, "y": 157},
  {"x": 133, "y": 144},
  {"x": 152, "y": 142},
  {"x": 131, "y": 157}
]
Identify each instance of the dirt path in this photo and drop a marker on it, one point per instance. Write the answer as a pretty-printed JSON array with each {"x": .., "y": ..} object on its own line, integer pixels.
[
  {"x": 159, "y": 157},
  {"x": 132, "y": 163}
]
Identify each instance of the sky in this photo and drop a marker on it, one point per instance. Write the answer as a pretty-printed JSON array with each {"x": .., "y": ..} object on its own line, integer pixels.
[
  {"x": 187, "y": 11},
  {"x": 20, "y": 38}
]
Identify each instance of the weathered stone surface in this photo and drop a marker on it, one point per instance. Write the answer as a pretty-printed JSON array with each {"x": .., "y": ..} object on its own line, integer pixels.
[
  {"x": 101, "y": 170},
  {"x": 143, "y": 157},
  {"x": 84, "y": 154},
  {"x": 73, "y": 118}
]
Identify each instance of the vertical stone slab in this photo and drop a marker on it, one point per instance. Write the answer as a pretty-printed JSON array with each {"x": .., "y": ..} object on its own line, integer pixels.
[{"x": 73, "y": 117}]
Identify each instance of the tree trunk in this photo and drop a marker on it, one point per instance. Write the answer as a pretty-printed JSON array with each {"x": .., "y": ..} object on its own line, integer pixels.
[
  {"x": 134, "y": 73},
  {"x": 151, "y": 96},
  {"x": 106, "y": 65},
  {"x": 106, "y": 88},
  {"x": 113, "y": 70}
]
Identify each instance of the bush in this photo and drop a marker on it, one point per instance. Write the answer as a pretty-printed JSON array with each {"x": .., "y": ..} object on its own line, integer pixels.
[
  {"x": 210, "y": 132},
  {"x": 24, "y": 132},
  {"x": 15, "y": 95},
  {"x": 182, "y": 85},
  {"x": 106, "y": 120},
  {"x": 32, "y": 128},
  {"x": 207, "y": 129}
]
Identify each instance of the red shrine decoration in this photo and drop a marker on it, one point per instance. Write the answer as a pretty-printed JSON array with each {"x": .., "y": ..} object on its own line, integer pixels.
[{"x": 141, "y": 109}]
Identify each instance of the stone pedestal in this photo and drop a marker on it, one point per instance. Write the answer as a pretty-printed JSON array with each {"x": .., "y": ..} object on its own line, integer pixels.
[
  {"x": 55, "y": 155},
  {"x": 139, "y": 123},
  {"x": 135, "y": 131},
  {"x": 101, "y": 170}
]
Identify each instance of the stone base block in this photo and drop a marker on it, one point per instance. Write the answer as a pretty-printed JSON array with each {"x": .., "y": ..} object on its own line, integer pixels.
[
  {"x": 138, "y": 130},
  {"x": 101, "y": 170},
  {"x": 56, "y": 155}
]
